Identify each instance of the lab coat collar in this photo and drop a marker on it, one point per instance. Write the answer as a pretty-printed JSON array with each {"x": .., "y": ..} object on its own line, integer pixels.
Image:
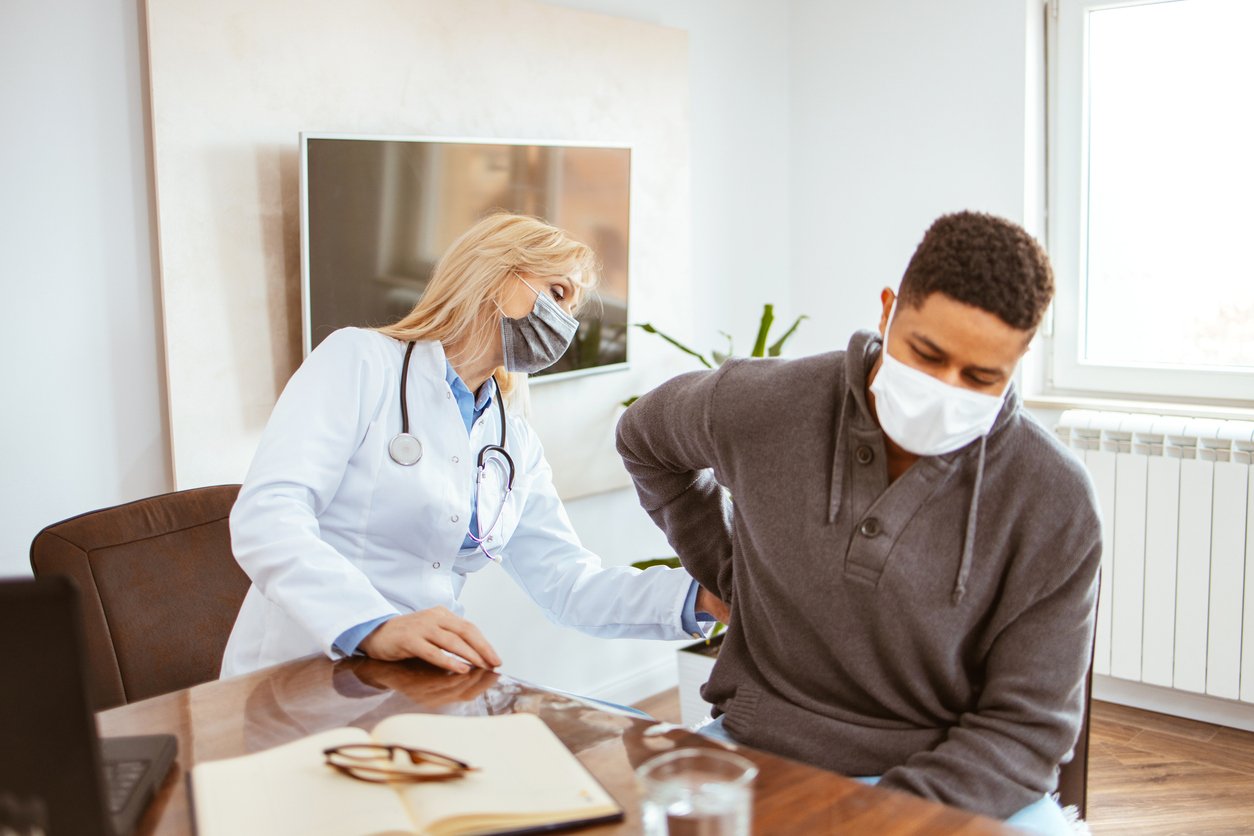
[{"x": 430, "y": 361}]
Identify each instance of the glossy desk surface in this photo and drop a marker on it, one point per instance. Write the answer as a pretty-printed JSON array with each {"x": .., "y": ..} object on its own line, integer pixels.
[{"x": 250, "y": 713}]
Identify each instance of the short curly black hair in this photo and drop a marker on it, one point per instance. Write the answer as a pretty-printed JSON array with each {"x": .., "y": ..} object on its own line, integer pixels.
[{"x": 984, "y": 261}]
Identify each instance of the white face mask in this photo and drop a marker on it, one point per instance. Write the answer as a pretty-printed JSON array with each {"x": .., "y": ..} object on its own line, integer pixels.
[{"x": 926, "y": 416}]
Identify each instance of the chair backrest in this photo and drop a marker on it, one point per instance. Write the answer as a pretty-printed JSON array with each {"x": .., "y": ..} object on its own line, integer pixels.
[
  {"x": 160, "y": 589},
  {"x": 1073, "y": 776}
]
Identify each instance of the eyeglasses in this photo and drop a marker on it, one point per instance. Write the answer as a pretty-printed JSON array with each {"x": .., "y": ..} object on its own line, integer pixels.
[{"x": 382, "y": 763}]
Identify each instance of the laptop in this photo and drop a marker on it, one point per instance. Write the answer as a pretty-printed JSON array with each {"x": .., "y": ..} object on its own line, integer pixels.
[{"x": 56, "y": 776}]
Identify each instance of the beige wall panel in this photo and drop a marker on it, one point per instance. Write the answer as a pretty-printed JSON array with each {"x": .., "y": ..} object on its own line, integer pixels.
[{"x": 235, "y": 81}]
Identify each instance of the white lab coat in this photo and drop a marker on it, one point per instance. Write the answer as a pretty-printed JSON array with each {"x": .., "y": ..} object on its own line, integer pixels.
[{"x": 333, "y": 533}]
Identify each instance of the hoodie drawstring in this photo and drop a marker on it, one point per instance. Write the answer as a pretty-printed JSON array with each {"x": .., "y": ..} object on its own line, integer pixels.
[{"x": 968, "y": 541}]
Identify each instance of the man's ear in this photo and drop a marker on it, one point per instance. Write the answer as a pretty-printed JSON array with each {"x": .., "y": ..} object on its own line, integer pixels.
[{"x": 887, "y": 298}]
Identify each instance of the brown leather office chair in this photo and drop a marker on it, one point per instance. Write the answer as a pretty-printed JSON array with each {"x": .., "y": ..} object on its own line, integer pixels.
[{"x": 160, "y": 589}]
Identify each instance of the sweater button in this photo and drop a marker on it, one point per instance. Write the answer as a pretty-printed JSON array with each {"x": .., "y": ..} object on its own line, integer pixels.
[
  {"x": 864, "y": 454},
  {"x": 869, "y": 528}
]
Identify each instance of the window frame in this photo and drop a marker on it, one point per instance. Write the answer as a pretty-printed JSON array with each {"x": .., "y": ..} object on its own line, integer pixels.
[{"x": 1067, "y": 177}]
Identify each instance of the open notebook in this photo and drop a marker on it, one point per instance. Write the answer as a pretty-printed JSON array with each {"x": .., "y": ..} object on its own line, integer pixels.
[{"x": 525, "y": 780}]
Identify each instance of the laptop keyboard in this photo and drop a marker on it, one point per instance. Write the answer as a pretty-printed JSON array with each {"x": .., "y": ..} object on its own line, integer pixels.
[{"x": 121, "y": 778}]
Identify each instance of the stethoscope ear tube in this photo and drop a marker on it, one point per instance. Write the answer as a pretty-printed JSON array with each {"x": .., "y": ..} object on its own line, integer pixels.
[
  {"x": 509, "y": 463},
  {"x": 485, "y": 451}
]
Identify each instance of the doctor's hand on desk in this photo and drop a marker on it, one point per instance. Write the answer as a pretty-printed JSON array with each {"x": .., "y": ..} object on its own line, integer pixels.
[{"x": 426, "y": 635}]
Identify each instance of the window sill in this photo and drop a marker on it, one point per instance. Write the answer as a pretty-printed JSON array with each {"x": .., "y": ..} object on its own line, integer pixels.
[{"x": 1222, "y": 412}]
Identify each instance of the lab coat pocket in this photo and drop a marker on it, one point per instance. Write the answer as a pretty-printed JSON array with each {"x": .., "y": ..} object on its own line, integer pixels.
[
  {"x": 510, "y": 516},
  {"x": 470, "y": 561}
]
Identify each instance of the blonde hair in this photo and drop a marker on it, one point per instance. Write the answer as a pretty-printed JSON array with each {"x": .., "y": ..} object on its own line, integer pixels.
[{"x": 461, "y": 302}]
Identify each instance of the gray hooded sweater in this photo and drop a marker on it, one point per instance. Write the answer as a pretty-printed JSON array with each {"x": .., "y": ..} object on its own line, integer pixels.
[{"x": 936, "y": 630}]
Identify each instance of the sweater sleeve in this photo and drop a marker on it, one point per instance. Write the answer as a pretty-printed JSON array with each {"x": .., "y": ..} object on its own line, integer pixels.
[
  {"x": 1003, "y": 755},
  {"x": 668, "y": 443}
]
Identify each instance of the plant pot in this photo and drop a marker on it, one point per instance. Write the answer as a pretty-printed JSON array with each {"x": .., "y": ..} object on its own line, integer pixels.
[{"x": 695, "y": 661}]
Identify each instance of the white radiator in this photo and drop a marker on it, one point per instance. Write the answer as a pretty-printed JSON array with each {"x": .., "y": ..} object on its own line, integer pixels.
[{"x": 1176, "y": 607}]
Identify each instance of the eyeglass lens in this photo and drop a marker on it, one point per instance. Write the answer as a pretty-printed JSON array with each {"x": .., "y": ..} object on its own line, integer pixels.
[{"x": 378, "y": 762}]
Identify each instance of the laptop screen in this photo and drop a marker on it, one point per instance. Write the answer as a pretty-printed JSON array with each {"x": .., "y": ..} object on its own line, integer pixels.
[{"x": 50, "y": 758}]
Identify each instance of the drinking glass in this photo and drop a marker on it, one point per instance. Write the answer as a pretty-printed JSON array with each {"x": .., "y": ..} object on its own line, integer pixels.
[{"x": 697, "y": 792}]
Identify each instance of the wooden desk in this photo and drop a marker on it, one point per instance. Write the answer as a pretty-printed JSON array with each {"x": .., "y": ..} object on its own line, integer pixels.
[{"x": 251, "y": 713}]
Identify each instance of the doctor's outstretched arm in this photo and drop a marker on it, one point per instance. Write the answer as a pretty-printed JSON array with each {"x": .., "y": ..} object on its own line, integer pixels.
[{"x": 545, "y": 557}]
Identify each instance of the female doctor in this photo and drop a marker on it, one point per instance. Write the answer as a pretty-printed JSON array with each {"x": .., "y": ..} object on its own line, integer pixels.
[{"x": 391, "y": 469}]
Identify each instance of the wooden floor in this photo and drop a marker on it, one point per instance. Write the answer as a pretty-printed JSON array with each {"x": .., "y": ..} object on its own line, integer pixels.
[{"x": 1149, "y": 774}]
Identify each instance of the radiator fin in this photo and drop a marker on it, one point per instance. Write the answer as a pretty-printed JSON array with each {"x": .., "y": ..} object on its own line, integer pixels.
[{"x": 1176, "y": 496}]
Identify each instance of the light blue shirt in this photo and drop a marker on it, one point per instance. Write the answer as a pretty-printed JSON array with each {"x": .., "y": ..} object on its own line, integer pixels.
[{"x": 471, "y": 408}]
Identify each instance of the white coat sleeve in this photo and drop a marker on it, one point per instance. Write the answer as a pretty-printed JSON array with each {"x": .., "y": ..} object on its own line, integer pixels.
[
  {"x": 319, "y": 421},
  {"x": 545, "y": 558}
]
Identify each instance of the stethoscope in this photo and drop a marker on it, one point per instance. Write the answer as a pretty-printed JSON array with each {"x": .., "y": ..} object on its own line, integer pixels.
[{"x": 406, "y": 450}]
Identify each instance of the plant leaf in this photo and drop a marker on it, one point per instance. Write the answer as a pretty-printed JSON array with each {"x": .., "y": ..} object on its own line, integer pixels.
[
  {"x": 672, "y": 562},
  {"x": 649, "y": 329},
  {"x": 778, "y": 346},
  {"x": 764, "y": 328},
  {"x": 631, "y": 400}
]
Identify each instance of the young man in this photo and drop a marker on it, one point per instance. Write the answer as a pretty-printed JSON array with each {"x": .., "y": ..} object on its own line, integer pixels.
[{"x": 909, "y": 557}]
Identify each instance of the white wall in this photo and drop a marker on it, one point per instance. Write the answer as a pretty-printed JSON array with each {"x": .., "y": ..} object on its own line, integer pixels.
[
  {"x": 739, "y": 63},
  {"x": 903, "y": 110},
  {"x": 82, "y": 425}
]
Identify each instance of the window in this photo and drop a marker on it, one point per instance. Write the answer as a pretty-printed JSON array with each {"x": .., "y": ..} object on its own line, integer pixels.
[{"x": 1151, "y": 221}]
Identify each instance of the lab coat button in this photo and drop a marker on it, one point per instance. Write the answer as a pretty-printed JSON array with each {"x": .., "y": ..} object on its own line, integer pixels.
[
  {"x": 456, "y": 460},
  {"x": 864, "y": 454},
  {"x": 453, "y": 518},
  {"x": 435, "y": 565},
  {"x": 870, "y": 527}
]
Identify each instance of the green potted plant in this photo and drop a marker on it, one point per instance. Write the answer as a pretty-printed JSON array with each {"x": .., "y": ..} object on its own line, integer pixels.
[
  {"x": 695, "y": 661},
  {"x": 760, "y": 347}
]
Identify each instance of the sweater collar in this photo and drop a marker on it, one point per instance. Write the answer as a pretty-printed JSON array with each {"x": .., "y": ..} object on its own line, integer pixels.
[{"x": 864, "y": 349}]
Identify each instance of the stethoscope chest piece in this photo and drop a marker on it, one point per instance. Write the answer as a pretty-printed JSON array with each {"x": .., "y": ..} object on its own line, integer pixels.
[{"x": 405, "y": 449}]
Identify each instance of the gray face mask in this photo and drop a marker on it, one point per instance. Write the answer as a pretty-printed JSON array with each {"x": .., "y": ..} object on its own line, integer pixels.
[{"x": 539, "y": 339}]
